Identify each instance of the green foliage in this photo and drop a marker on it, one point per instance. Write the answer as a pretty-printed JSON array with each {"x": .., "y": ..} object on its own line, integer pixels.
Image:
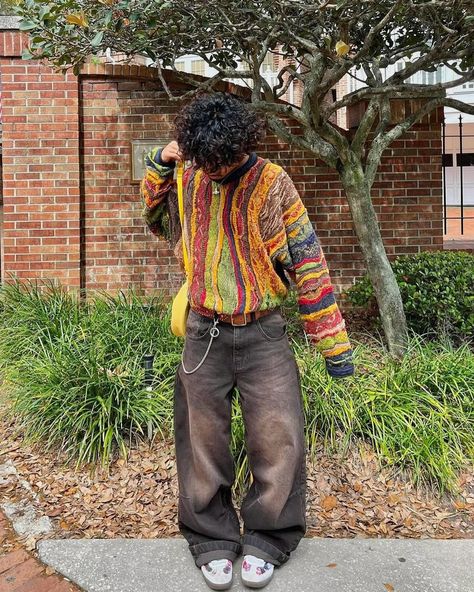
[
  {"x": 291, "y": 313},
  {"x": 67, "y": 31},
  {"x": 417, "y": 414},
  {"x": 74, "y": 371},
  {"x": 437, "y": 289},
  {"x": 8, "y": 7},
  {"x": 73, "y": 374}
]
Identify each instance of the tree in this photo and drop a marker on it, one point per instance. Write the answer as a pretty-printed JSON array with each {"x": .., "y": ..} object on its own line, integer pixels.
[{"x": 321, "y": 42}]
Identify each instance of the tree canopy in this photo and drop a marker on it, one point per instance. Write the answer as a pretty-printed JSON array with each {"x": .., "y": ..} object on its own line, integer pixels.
[
  {"x": 321, "y": 42},
  {"x": 8, "y": 7}
]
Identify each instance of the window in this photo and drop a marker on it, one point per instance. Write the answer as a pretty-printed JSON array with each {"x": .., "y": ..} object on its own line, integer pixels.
[
  {"x": 198, "y": 67},
  {"x": 267, "y": 64},
  {"x": 431, "y": 77}
]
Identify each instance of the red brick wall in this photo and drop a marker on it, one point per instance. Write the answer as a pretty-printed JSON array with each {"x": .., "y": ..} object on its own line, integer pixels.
[
  {"x": 46, "y": 197},
  {"x": 407, "y": 198},
  {"x": 40, "y": 169},
  {"x": 120, "y": 252}
]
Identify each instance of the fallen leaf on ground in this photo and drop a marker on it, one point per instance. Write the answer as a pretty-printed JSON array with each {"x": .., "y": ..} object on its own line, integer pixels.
[
  {"x": 348, "y": 496},
  {"x": 329, "y": 503}
]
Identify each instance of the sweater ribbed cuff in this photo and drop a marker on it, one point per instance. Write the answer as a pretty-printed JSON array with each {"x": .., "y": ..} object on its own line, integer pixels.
[
  {"x": 338, "y": 371},
  {"x": 158, "y": 160}
]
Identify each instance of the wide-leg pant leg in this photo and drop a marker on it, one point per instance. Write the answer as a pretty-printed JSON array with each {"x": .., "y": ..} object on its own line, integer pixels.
[
  {"x": 202, "y": 424},
  {"x": 268, "y": 381}
]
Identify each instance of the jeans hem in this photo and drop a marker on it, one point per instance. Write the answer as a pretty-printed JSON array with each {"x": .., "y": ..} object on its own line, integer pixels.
[
  {"x": 205, "y": 552},
  {"x": 254, "y": 545}
]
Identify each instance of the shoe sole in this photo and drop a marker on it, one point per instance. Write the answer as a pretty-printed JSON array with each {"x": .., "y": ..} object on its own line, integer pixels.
[
  {"x": 218, "y": 586},
  {"x": 250, "y": 584}
]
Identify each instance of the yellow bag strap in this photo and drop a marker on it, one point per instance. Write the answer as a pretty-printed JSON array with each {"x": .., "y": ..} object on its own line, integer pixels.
[{"x": 179, "y": 182}]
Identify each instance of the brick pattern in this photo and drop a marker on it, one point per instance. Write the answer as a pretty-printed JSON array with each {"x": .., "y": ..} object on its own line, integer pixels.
[
  {"x": 47, "y": 199},
  {"x": 40, "y": 172},
  {"x": 119, "y": 250},
  {"x": 12, "y": 43},
  {"x": 407, "y": 198},
  {"x": 21, "y": 572}
]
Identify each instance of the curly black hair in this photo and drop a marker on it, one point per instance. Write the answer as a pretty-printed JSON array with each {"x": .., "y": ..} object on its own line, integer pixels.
[{"x": 216, "y": 130}]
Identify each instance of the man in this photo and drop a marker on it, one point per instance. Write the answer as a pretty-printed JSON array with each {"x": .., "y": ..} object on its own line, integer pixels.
[{"x": 246, "y": 229}]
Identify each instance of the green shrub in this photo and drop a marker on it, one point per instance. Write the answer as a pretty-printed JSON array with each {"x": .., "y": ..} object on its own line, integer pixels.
[
  {"x": 417, "y": 414},
  {"x": 73, "y": 373},
  {"x": 74, "y": 370},
  {"x": 437, "y": 290},
  {"x": 291, "y": 313}
]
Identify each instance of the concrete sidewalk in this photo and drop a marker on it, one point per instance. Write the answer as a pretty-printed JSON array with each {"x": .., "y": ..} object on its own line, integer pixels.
[{"x": 322, "y": 565}]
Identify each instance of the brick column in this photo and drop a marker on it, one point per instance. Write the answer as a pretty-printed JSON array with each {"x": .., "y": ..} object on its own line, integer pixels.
[{"x": 40, "y": 168}]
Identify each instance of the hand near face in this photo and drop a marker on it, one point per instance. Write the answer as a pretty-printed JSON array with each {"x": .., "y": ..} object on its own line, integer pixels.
[{"x": 171, "y": 152}]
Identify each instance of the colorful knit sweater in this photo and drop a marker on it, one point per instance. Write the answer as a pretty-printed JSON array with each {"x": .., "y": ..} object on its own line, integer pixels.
[{"x": 242, "y": 234}]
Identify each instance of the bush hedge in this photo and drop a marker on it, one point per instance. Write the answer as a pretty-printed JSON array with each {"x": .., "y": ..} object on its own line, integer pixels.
[
  {"x": 437, "y": 290},
  {"x": 75, "y": 369}
]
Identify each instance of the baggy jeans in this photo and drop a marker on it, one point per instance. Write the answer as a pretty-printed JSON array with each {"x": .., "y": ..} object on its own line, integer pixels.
[{"x": 258, "y": 361}]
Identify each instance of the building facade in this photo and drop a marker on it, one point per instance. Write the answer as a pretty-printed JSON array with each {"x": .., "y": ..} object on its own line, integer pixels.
[{"x": 72, "y": 152}]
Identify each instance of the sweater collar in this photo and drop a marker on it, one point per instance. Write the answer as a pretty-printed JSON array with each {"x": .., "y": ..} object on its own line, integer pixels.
[{"x": 239, "y": 172}]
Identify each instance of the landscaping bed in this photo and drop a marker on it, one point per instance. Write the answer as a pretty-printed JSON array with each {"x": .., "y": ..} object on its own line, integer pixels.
[
  {"x": 136, "y": 498},
  {"x": 391, "y": 449}
]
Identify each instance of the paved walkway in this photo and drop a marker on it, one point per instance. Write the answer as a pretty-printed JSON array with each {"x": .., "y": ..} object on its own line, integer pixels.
[
  {"x": 318, "y": 565},
  {"x": 20, "y": 571},
  {"x": 165, "y": 565}
]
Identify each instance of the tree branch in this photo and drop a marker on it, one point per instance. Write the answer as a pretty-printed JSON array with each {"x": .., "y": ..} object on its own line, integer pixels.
[
  {"x": 277, "y": 126},
  {"x": 458, "y": 105},
  {"x": 283, "y": 109},
  {"x": 403, "y": 91},
  {"x": 376, "y": 29},
  {"x": 381, "y": 142},
  {"x": 363, "y": 129}
]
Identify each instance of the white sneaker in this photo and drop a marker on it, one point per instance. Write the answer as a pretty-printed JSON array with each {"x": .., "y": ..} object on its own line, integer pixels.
[
  {"x": 256, "y": 572},
  {"x": 218, "y": 574}
]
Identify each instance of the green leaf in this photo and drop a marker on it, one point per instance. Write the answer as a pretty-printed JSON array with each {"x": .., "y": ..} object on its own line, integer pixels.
[
  {"x": 108, "y": 18},
  {"x": 26, "y": 54},
  {"x": 27, "y": 25},
  {"x": 97, "y": 40},
  {"x": 44, "y": 11}
]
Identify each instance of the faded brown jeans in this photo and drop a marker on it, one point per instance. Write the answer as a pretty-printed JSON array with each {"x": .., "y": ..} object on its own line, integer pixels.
[{"x": 258, "y": 361}]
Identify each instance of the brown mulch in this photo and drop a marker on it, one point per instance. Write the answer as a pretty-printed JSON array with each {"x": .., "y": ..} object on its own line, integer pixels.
[{"x": 347, "y": 497}]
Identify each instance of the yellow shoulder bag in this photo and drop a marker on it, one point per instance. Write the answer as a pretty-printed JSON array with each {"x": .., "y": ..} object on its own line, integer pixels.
[{"x": 180, "y": 307}]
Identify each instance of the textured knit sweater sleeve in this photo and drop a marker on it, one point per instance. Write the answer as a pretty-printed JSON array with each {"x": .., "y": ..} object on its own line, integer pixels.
[
  {"x": 297, "y": 247},
  {"x": 155, "y": 188}
]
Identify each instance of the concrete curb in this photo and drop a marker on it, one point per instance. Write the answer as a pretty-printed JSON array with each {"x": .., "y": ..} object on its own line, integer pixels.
[{"x": 318, "y": 565}]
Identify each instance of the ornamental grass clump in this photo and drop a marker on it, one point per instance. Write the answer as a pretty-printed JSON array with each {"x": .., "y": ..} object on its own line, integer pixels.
[
  {"x": 74, "y": 371},
  {"x": 418, "y": 414},
  {"x": 73, "y": 374}
]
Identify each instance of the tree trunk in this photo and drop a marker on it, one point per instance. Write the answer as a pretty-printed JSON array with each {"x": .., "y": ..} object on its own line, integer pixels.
[{"x": 379, "y": 269}]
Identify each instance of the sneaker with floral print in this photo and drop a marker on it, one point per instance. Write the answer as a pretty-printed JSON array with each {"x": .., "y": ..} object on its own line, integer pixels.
[
  {"x": 218, "y": 574},
  {"x": 256, "y": 572}
]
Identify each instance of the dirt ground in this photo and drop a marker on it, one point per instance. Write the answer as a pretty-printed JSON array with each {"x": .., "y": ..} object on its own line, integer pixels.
[{"x": 346, "y": 497}]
